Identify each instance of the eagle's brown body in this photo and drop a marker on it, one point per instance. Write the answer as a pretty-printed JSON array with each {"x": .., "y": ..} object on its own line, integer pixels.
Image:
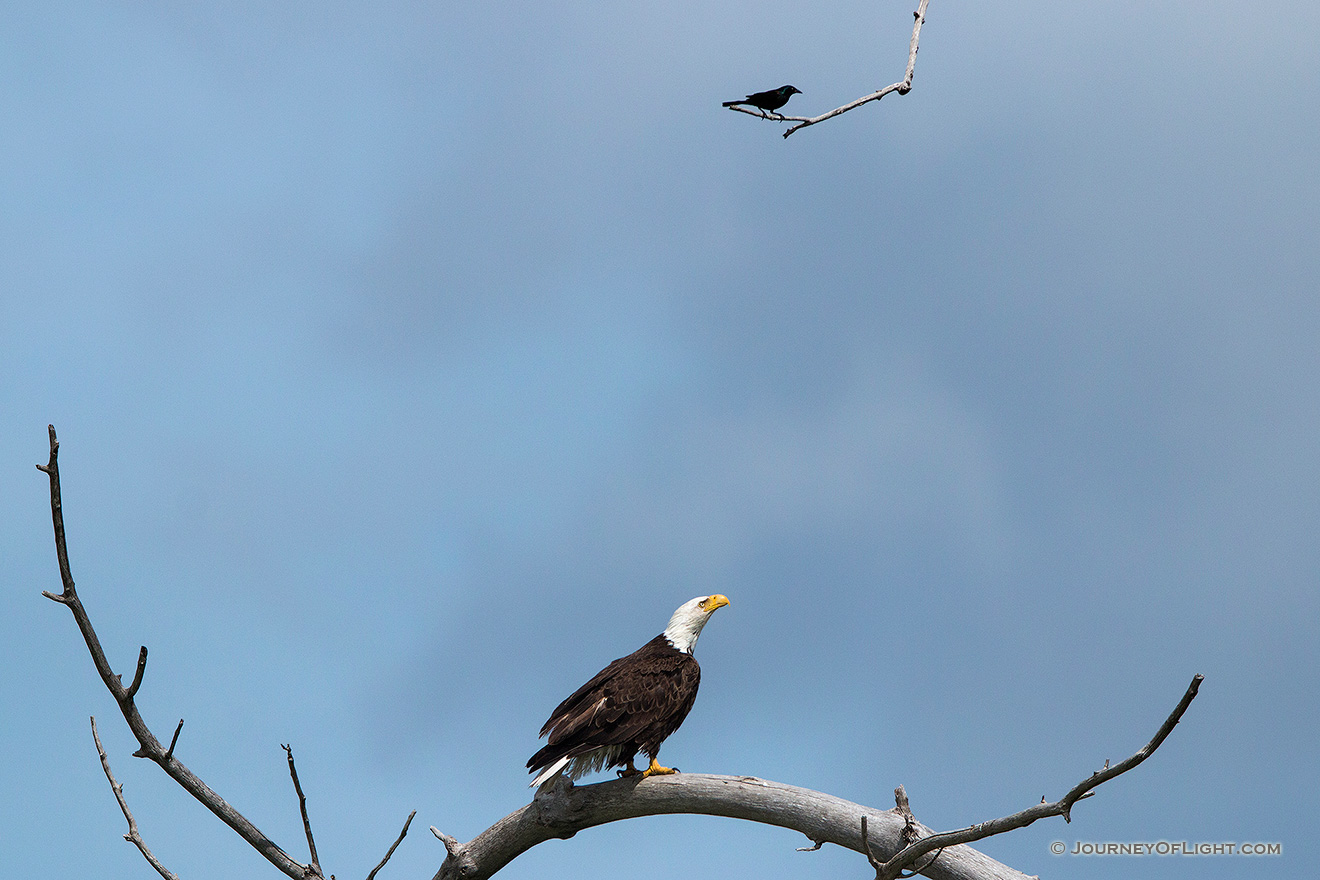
[{"x": 630, "y": 706}]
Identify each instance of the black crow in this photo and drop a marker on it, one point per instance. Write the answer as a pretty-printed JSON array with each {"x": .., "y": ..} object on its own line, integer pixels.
[{"x": 768, "y": 101}]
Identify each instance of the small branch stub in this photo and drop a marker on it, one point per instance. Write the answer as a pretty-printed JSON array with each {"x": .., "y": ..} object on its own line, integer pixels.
[
  {"x": 137, "y": 676},
  {"x": 910, "y": 834},
  {"x": 452, "y": 846},
  {"x": 174, "y": 740}
]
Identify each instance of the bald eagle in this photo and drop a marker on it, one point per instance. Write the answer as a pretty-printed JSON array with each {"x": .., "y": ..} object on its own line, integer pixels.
[{"x": 630, "y": 706}]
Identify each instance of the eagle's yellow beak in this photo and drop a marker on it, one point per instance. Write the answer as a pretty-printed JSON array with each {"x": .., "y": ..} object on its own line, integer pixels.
[{"x": 713, "y": 602}]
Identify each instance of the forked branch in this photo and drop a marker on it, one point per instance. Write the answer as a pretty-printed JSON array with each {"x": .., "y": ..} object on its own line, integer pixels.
[{"x": 903, "y": 86}]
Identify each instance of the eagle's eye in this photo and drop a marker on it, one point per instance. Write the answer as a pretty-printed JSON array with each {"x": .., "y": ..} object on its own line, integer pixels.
[{"x": 703, "y": 602}]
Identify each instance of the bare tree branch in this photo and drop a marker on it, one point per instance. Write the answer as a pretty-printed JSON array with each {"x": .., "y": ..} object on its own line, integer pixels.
[
  {"x": 315, "y": 866},
  {"x": 561, "y": 809},
  {"x": 132, "y": 836},
  {"x": 1062, "y": 807},
  {"x": 398, "y": 840},
  {"x": 903, "y": 86},
  {"x": 150, "y": 745}
]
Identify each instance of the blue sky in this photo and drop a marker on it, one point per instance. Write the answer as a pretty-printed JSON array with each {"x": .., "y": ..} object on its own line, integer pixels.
[{"x": 412, "y": 361}]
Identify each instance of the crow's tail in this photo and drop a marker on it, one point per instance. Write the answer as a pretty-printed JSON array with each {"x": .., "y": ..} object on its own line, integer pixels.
[{"x": 733, "y": 103}]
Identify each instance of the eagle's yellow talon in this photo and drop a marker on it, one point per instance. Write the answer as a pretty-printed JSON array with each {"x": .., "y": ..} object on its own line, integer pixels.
[{"x": 656, "y": 770}]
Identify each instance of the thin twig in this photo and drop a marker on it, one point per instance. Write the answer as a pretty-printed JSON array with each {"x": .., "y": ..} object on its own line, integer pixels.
[
  {"x": 908, "y": 856},
  {"x": 1079, "y": 791},
  {"x": 402, "y": 834},
  {"x": 302, "y": 806},
  {"x": 132, "y": 836},
  {"x": 772, "y": 115}
]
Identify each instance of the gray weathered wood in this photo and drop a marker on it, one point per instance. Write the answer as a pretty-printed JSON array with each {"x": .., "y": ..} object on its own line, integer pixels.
[{"x": 561, "y": 809}]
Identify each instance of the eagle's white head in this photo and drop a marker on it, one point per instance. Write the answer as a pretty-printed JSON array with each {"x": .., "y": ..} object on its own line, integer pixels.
[{"x": 691, "y": 616}]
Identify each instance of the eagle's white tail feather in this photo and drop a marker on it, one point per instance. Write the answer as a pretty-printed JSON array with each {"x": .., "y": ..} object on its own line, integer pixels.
[{"x": 549, "y": 771}]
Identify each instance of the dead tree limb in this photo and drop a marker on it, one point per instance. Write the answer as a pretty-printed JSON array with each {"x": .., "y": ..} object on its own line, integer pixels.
[
  {"x": 903, "y": 86},
  {"x": 150, "y": 746},
  {"x": 561, "y": 809}
]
